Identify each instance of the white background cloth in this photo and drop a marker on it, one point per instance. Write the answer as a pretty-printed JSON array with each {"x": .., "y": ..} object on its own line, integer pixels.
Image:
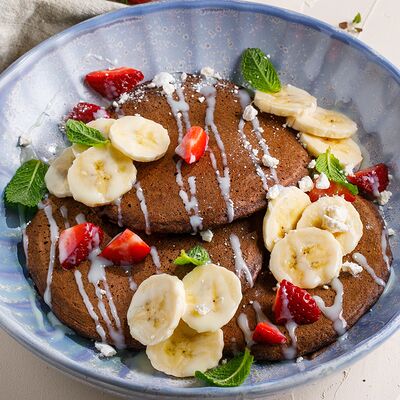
[{"x": 24, "y": 23}]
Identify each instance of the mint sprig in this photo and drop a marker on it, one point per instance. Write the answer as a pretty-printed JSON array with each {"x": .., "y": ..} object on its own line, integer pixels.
[
  {"x": 357, "y": 19},
  {"x": 233, "y": 373},
  {"x": 328, "y": 164},
  {"x": 259, "y": 72},
  {"x": 27, "y": 187},
  {"x": 197, "y": 255},
  {"x": 79, "y": 132}
]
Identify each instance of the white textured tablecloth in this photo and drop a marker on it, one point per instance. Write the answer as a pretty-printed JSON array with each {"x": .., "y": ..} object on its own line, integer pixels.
[{"x": 23, "y": 24}]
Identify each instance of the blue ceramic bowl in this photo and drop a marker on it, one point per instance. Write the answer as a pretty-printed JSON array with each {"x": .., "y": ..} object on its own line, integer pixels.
[{"x": 186, "y": 35}]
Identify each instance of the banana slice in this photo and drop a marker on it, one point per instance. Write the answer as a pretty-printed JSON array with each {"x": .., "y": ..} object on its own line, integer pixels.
[
  {"x": 282, "y": 214},
  {"x": 139, "y": 138},
  {"x": 289, "y": 101},
  {"x": 307, "y": 257},
  {"x": 324, "y": 123},
  {"x": 187, "y": 351},
  {"x": 213, "y": 295},
  {"x": 103, "y": 125},
  {"x": 338, "y": 216},
  {"x": 78, "y": 149},
  {"x": 100, "y": 175},
  {"x": 156, "y": 309},
  {"x": 345, "y": 150},
  {"x": 56, "y": 176}
]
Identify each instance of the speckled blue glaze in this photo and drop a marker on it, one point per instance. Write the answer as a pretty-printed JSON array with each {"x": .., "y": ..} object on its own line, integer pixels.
[{"x": 186, "y": 35}]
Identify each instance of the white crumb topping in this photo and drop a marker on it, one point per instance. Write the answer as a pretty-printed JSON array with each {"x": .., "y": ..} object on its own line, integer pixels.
[
  {"x": 391, "y": 232},
  {"x": 334, "y": 219},
  {"x": 201, "y": 99},
  {"x": 384, "y": 197},
  {"x": 207, "y": 235},
  {"x": 184, "y": 76},
  {"x": 165, "y": 81},
  {"x": 312, "y": 164},
  {"x": 202, "y": 309},
  {"x": 306, "y": 184},
  {"x": 322, "y": 182},
  {"x": 352, "y": 268},
  {"x": 349, "y": 170},
  {"x": 249, "y": 113},
  {"x": 209, "y": 72},
  {"x": 105, "y": 349},
  {"x": 273, "y": 192},
  {"x": 270, "y": 161}
]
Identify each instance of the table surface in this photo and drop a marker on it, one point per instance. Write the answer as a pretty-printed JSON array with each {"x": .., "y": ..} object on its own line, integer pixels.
[{"x": 24, "y": 376}]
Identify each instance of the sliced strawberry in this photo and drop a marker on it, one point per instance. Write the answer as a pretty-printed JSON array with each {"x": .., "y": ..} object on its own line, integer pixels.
[
  {"x": 292, "y": 302},
  {"x": 87, "y": 112},
  {"x": 77, "y": 242},
  {"x": 267, "y": 334},
  {"x": 372, "y": 180},
  {"x": 111, "y": 83},
  {"x": 334, "y": 190},
  {"x": 193, "y": 145},
  {"x": 125, "y": 249}
]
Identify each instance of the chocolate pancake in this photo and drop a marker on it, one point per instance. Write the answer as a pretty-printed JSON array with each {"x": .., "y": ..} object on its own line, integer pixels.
[
  {"x": 360, "y": 292},
  {"x": 240, "y": 178}
]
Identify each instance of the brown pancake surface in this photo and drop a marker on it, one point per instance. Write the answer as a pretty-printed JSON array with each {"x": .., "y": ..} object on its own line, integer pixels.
[
  {"x": 360, "y": 292},
  {"x": 165, "y": 207}
]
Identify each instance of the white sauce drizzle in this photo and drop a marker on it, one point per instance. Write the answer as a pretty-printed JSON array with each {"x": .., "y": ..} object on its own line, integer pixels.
[
  {"x": 224, "y": 181},
  {"x": 243, "y": 324},
  {"x": 289, "y": 352},
  {"x": 156, "y": 258},
  {"x": 64, "y": 214},
  {"x": 360, "y": 259},
  {"x": 117, "y": 202},
  {"x": 80, "y": 218},
  {"x": 132, "y": 284},
  {"x": 261, "y": 317},
  {"x": 143, "y": 207},
  {"x": 335, "y": 311},
  {"x": 89, "y": 306},
  {"x": 22, "y": 224},
  {"x": 240, "y": 265},
  {"x": 384, "y": 249},
  {"x": 54, "y": 235}
]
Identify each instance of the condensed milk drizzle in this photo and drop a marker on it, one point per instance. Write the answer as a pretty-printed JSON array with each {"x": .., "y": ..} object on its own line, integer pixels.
[
  {"x": 240, "y": 265},
  {"x": 117, "y": 202},
  {"x": 361, "y": 260},
  {"x": 64, "y": 214},
  {"x": 143, "y": 207},
  {"x": 224, "y": 180},
  {"x": 156, "y": 259},
  {"x": 384, "y": 249}
]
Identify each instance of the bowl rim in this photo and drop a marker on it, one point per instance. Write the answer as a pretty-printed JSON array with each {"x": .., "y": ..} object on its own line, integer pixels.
[{"x": 118, "y": 385}]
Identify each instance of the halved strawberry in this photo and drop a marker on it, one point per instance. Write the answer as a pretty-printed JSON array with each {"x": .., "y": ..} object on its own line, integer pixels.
[
  {"x": 334, "y": 190},
  {"x": 87, "y": 112},
  {"x": 292, "y": 302},
  {"x": 193, "y": 145},
  {"x": 125, "y": 249},
  {"x": 75, "y": 243},
  {"x": 267, "y": 334},
  {"x": 111, "y": 83},
  {"x": 372, "y": 180}
]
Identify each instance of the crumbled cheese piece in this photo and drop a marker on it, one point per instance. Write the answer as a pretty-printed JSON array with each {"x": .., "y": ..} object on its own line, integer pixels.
[
  {"x": 224, "y": 361},
  {"x": 326, "y": 287},
  {"x": 207, "y": 235},
  {"x": 349, "y": 170},
  {"x": 184, "y": 76},
  {"x": 334, "y": 219},
  {"x": 391, "y": 232},
  {"x": 201, "y": 99},
  {"x": 311, "y": 164},
  {"x": 299, "y": 359},
  {"x": 270, "y": 161},
  {"x": 24, "y": 141},
  {"x": 322, "y": 182},
  {"x": 352, "y": 268},
  {"x": 255, "y": 152},
  {"x": 306, "y": 184},
  {"x": 202, "y": 309},
  {"x": 209, "y": 72},
  {"x": 105, "y": 349},
  {"x": 165, "y": 81},
  {"x": 249, "y": 113},
  {"x": 384, "y": 197},
  {"x": 273, "y": 192}
]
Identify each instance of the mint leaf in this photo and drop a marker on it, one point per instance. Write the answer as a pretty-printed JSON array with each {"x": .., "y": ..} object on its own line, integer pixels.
[
  {"x": 259, "y": 72},
  {"x": 357, "y": 19},
  {"x": 331, "y": 167},
  {"x": 233, "y": 373},
  {"x": 79, "y": 132},
  {"x": 27, "y": 187},
  {"x": 198, "y": 255}
]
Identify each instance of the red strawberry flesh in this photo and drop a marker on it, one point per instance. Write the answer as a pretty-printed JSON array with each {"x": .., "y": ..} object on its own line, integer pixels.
[
  {"x": 87, "y": 112},
  {"x": 372, "y": 180},
  {"x": 268, "y": 334},
  {"x": 193, "y": 145},
  {"x": 334, "y": 190}
]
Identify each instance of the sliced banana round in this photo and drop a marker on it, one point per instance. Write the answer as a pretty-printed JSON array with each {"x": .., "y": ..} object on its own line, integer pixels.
[
  {"x": 187, "y": 351},
  {"x": 78, "y": 148},
  {"x": 338, "y": 216},
  {"x": 56, "y": 176},
  {"x": 103, "y": 125},
  {"x": 346, "y": 151},
  {"x": 139, "y": 138},
  {"x": 289, "y": 101},
  {"x": 213, "y": 295},
  {"x": 307, "y": 257},
  {"x": 324, "y": 123},
  {"x": 100, "y": 175},
  {"x": 156, "y": 309},
  {"x": 282, "y": 214}
]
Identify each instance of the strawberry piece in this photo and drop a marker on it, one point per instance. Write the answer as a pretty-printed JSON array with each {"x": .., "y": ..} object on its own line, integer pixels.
[
  {"x": 334, "y": 190},
  {"x": 87, "y": 112},
  {"x": 292, "y": 302},
  {"x": 111, "y": 83},
  {"x": 193, "y": 145},
  {"x": 372, "y": 180},
  {"x": 77, "y": 242},
  {"x": 267, "y": 334},
  {"x": 125, "y": 249}
]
